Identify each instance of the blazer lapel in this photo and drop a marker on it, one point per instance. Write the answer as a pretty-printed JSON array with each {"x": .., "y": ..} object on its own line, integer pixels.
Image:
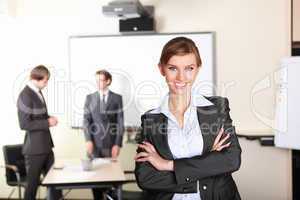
[
  {"x": 96, "y": 103},
  {"x": 35, "y": 95},
  {"x": 43, "y": 106},
  {"x": 109, "y": 100},
  {"x": 160, "y": 135},
  {"x": 210, "y": 124}
]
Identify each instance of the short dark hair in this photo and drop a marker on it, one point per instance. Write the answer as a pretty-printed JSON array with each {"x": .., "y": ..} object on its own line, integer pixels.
[
  {"x": 106, "y": 74},
  {"x": 179, "y": 46},
  {"x": 39, "y": 73}
]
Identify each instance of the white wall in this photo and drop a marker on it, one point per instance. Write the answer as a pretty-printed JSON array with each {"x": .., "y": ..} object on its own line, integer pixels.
[
  {"x": 265, "y": 172},
  {"x": 296, "y": 20},
  {"x": 251, "y": 37}
]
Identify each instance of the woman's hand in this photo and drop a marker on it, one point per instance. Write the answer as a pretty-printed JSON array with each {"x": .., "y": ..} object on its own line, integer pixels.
[
  {"x": 149, "y": 154},
  {"x": 219, "y": 141}
]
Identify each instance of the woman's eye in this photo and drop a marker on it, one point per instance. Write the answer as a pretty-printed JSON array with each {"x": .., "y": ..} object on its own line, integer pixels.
[
  {"x": 172, "y": 68},
  {"x": 190, "y": 68}
]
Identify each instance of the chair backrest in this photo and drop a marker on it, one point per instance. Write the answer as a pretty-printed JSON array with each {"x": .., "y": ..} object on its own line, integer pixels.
[{"x": 13, "y": 156}]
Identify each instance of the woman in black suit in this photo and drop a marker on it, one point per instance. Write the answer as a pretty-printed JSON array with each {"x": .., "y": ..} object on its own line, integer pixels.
[{"x": 188, "y": 147}]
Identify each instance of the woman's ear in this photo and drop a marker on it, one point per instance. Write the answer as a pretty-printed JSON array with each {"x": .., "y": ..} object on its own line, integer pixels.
[{"x": 161, "y": 69}]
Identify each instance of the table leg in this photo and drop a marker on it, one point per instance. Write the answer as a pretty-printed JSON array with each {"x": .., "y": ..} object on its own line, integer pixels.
[
  {"x": 54, "y": 194},
  {"x": 49, "y": 193},
  {"x": 119, "y": 192}
]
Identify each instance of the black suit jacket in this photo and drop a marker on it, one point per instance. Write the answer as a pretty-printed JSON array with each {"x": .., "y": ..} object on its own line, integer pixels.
[
  {"x": 212, "y": 169},
  {"x": 104, "y": 129},
  {"x": 33, "y": 118}
]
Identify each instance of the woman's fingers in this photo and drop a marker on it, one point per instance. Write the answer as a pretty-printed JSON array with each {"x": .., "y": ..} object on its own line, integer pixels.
[
  {"x": 150, "y": 146},
  {"x": 219, "y": 136},
  {"x": 223, "y": 146},
  {"x": 145, "y": 147},
  {"x": 223, "y": 140},
  {"x": 219, "y": 143},
  {"x": 143, "y": 159},
  {"x": 145, "y": 156},
  {"x": 141, "y": 155},
  {"x": 216, "y": 141}
]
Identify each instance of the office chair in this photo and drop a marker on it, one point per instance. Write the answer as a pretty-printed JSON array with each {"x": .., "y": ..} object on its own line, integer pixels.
[{"x": 15, "y": 167}]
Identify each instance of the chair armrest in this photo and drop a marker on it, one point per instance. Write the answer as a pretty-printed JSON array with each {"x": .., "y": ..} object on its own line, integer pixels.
[
  {"x": 15, "y": 169},
  {"x": 11, "y": 167}
]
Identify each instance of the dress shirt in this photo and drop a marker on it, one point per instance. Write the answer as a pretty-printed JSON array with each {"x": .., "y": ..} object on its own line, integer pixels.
[
  {"x": 102, "y": 93},
  {"x": 187, "y": 141},
  {"x": 36, "y": 90}
]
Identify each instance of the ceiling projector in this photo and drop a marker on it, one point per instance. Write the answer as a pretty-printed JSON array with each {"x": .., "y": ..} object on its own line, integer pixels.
[{"x": 126, "y": 9}]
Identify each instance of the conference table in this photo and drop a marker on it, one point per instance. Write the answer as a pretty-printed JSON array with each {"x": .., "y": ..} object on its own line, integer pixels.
[{"x": 69, "y": 174}]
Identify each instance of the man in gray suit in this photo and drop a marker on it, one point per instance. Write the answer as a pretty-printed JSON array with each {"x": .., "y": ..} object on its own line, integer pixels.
[
  {"x": 103, "y": 122},
  {"x": 34, "y": 119}
]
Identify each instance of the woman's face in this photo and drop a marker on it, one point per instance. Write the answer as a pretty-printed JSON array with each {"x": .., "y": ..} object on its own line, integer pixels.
[{"x": 180, "y": 73}]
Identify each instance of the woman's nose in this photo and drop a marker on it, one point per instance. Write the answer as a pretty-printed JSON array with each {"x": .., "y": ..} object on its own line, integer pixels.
[{"x": 180, "y": 76}]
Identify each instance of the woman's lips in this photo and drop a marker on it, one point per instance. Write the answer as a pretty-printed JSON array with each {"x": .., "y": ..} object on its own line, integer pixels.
[{"x": 180, "y": 85}]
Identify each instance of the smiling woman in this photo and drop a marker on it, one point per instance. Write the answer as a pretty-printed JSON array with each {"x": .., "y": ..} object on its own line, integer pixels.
[
  {"x": 184, "y": 152},
  {"x": 180, "y": 72}
]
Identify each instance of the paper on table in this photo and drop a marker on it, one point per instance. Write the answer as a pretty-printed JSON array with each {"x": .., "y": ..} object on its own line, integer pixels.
[
  {"x": 100, "y": 161},
  {"x": 73, "y": 168},
  {"x": 78, "y": 170},
  {"x": 78, "y": 167}
]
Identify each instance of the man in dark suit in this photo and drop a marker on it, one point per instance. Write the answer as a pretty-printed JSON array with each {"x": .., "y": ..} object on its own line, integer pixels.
[
  {"x": 34, "y": 119},
  {"x": 103, "y": 122}
]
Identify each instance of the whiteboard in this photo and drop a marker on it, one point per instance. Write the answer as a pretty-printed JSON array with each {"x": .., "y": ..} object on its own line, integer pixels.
[{"x": 132, "y": 60}]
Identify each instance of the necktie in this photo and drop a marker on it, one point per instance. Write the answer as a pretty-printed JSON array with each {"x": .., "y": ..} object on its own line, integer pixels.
[
  {"x": 103, "y": 105},
  {"x": 103, "y": 101},
  {"x": 43, "y": 99}
]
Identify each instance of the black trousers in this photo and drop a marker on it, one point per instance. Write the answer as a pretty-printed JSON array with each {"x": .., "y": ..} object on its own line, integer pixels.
[
  {"x": 100, "y": 153},
  {"x": 35, "y": 166}
]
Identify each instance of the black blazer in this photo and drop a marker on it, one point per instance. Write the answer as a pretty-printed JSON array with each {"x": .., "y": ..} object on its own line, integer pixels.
[
  {"x": 104, "y": 129},
  {"x": 33, "y": 118},
  {"x": 212, "y": 169}
]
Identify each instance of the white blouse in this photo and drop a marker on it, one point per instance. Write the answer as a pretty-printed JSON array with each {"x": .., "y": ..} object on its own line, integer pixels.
[{"x": 184, "y": 142}]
